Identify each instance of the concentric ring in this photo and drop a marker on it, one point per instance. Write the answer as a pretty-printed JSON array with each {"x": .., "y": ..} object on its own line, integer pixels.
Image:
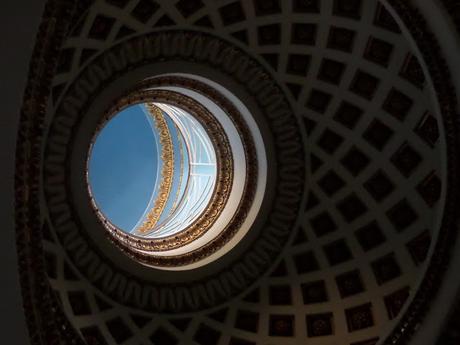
[
  {"x": 137, "y": 244},
  {"x": 265, "y": 223}
]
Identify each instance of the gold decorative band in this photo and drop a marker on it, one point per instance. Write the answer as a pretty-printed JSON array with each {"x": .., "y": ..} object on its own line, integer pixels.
[
  {"x": 167, "y": 171},
  {"x": 144, "y": 249},
  {"x": 224, "y": 177}
]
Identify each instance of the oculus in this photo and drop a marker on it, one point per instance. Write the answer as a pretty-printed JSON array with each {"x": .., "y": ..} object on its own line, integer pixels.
[
  {"x": 173, "y": 171},
  {"x": 152, "y": 170}
]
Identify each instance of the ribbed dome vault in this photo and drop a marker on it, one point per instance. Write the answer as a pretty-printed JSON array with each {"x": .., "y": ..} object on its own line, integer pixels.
[{"x": 358, "y": 154}]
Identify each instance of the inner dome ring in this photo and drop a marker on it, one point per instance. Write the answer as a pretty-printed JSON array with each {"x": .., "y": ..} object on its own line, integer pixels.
[
  {"x": 224, "y": 173},
  {"x": 215, "y": 232}
]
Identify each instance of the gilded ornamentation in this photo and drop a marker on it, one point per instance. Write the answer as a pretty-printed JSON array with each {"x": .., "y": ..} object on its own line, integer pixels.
[
  {"x": 276, "y": 222},
  {"x": 167, "y": 171},
  {"x": 39, "y": 302},
  {"x": 224, "y": 175}
]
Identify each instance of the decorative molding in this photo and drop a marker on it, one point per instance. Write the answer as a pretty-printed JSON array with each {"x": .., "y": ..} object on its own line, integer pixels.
[
  {"x": 188, "y": 46},
  {"x": 442, "y": 82},
  {"x": 167, "y": 171},
  {"x": 136, "y": 245},
  {"x": 41, "y": 305},
  {"x": 45, "y": 319}
]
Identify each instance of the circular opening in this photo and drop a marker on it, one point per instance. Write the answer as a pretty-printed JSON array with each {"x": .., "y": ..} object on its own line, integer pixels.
[
  {"x": 176, "y": 172},
  {"x": 152, "y": 170}
]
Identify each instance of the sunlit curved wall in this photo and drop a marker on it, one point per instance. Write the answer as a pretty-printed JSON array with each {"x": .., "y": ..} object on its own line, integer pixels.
[{"x": 194, "y": 174}]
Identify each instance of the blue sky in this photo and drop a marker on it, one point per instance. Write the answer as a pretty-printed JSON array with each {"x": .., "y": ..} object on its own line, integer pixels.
[{"x": 122, "y": 167}]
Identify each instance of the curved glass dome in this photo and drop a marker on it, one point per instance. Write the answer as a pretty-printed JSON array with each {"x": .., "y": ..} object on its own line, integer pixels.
[{"x": 152, "y": 170}]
